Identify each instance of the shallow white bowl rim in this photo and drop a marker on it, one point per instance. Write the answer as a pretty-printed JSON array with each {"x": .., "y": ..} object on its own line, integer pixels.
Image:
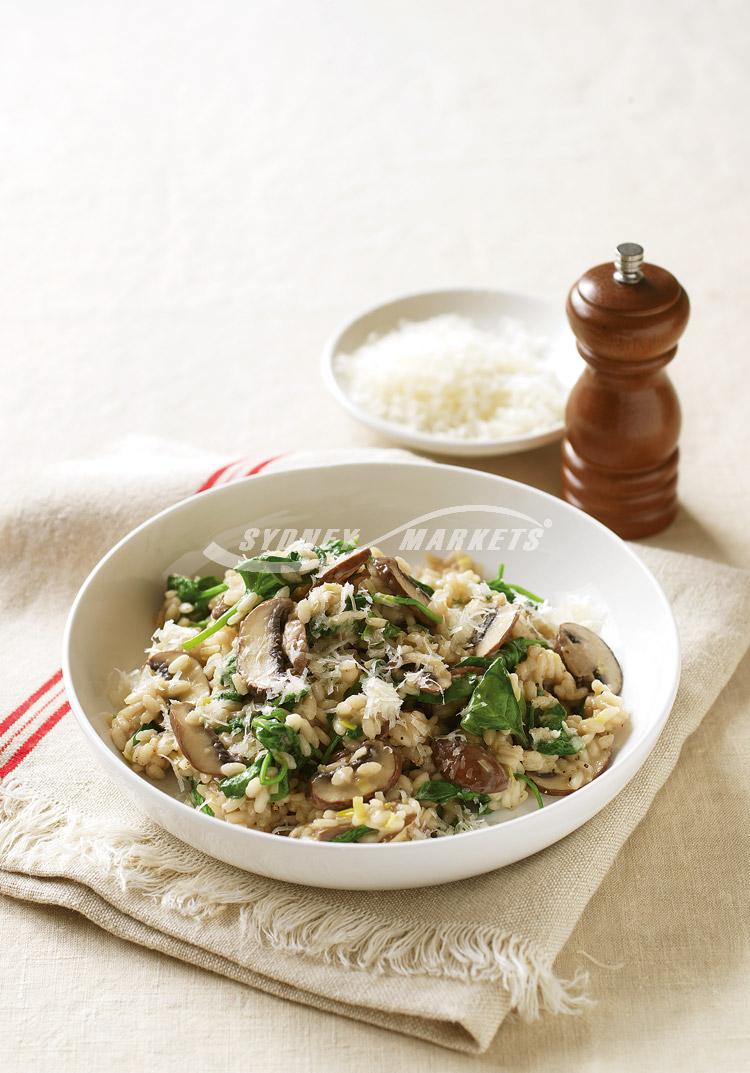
[{"x": 529, "y": 820}]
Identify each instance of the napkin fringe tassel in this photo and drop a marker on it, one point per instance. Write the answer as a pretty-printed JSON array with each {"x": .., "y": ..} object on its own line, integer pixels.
[{"x": 46, "y": 838}]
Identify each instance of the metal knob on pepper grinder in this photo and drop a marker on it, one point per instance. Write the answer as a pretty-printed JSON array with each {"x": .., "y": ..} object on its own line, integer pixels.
[{"x": 620, "y": 455}]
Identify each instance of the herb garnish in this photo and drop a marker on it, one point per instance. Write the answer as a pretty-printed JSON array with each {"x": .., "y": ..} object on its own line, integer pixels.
[
  {"x": 566, "y": 743},
  {"x": 336, "y": 548},
  {"x": 531, "y": 785},
  {"x": 146, "y": 726},
  {"x": 406, "y": 601},
  {"x": 196, "y": 591},
  {"x": 511, "y": 591},
  {"x": 441, "y": 791},
  {"x": 461, "y": 688},
  {"x": 265, "y": 574},
  {"x": 199, "y": 802},
  {"x": 353, "y": 834}
]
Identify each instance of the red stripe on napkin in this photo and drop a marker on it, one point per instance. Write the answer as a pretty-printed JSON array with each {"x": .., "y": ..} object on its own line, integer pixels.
[
  {"x": 211, "y": 481},
  {"x": 40, "y": 732},
  {"x": 22, "y": 708},
  {"x": 262, "y": 465},
  {"x": 31, "y": 717},
  {"x": 219, "y": 476}
]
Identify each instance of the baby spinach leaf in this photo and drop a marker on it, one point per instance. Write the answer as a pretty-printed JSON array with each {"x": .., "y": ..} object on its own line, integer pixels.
[
  {"x": 196, "y": 591},
  {"x": 406, "y": 601},
  {"x": 320, "y": 628},
  {"x": 511, "y": 591},
  {"x": 426, "y": 589},
  {"x": 567, "y": 743},
  {"x": 265, "y": 574},
  {"x": 441, "y": 790},
  {"x": 336, "y": 548},
  {"x": 282, "y": 787},
  {"x": 511, "y": 653},
  {"x": 146, "y": 726},
  {"x": 461, "y": 688},
  {"x": 359, "y": 602},
  {"x": 198, "y": 800},
  {"x": 273, "y": 733},
  {"x": 235, "y": 785},
  {"x": 533, "y": 788},
  {"x": 514, "y": 651},
  {"x": 292, "y": 696},
  {"x": 229, "y": 668},
  {"x": 493, "y": 705},
  {"x": 353, "y": 834},
  {"x": 477, "y": 661},
  {"x": 266, "y": 779},
  {"x": 236, "y": 725}
]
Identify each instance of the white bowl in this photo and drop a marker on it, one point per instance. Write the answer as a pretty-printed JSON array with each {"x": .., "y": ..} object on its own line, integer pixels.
[
  {"x": 485, "y": 308},
  {"x": 558, "y": 550}
]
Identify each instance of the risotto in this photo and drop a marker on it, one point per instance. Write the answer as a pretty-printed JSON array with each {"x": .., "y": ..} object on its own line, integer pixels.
[{"x": 334, "y": 693}]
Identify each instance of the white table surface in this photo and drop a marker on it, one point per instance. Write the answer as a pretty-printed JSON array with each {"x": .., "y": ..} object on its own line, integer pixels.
[{"x": 192, "y": 196}]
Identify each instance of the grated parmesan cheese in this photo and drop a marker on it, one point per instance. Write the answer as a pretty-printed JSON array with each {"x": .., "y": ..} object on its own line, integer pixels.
[{"x": 447, "y": 376}]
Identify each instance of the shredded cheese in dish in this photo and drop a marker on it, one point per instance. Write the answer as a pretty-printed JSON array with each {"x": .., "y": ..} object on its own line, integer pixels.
[{"x": 447, "y": 376}]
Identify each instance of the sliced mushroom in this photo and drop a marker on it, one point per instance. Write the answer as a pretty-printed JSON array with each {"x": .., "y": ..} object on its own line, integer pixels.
[
  {"x": 389, "y": 574},
  {"x": 159, "y": 662},
  {"x": 199, "y": 745},
  {"x": 473, "y": 767},
  {"x": 260, "y": 650},
  {"x": 344, "y": 568},
  {"x": 220, "y": 607},
  {"x": 193, "y": 673},
  {"x": 587, "y": 657},
  {"x": 377, "y": 767},
  {"x": 294, "y": 644},
  {"x": 557, "y": 785},
  {"x": 496, "y": 630}
]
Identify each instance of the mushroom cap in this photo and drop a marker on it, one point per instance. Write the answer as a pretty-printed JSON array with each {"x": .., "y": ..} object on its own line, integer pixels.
[
  {"x": 470, "y": 766},
  {"x": 260, "y": 650},
  {"x": 587, "y": 656},
  {"x": 346, "y": 567},
  {"x": 496, "y": 631},
  {"x": 557, "y": 785},
  {"x": 294, "y": 644},
  {"x": 159, "y": 662},
  {"x": 365, "y": 784},
  {"x": 199, "y": 745},
  {"x": 386, "y": 571}
]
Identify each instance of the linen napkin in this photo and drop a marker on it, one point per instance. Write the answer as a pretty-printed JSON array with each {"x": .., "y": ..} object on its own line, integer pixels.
[{"x": 446, "y": 963}]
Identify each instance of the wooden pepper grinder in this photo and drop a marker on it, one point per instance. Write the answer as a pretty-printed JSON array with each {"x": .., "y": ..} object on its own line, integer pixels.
[{"x": 619, "y": 455}]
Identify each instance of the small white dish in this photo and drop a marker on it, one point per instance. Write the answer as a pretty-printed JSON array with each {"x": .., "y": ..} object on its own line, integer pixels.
[
  {"x": 559, "y": 551},
  {"x": 485, "y": 308}
]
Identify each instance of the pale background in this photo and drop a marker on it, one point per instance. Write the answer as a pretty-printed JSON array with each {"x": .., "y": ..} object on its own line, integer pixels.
[{"x": 192, "y": 196}]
